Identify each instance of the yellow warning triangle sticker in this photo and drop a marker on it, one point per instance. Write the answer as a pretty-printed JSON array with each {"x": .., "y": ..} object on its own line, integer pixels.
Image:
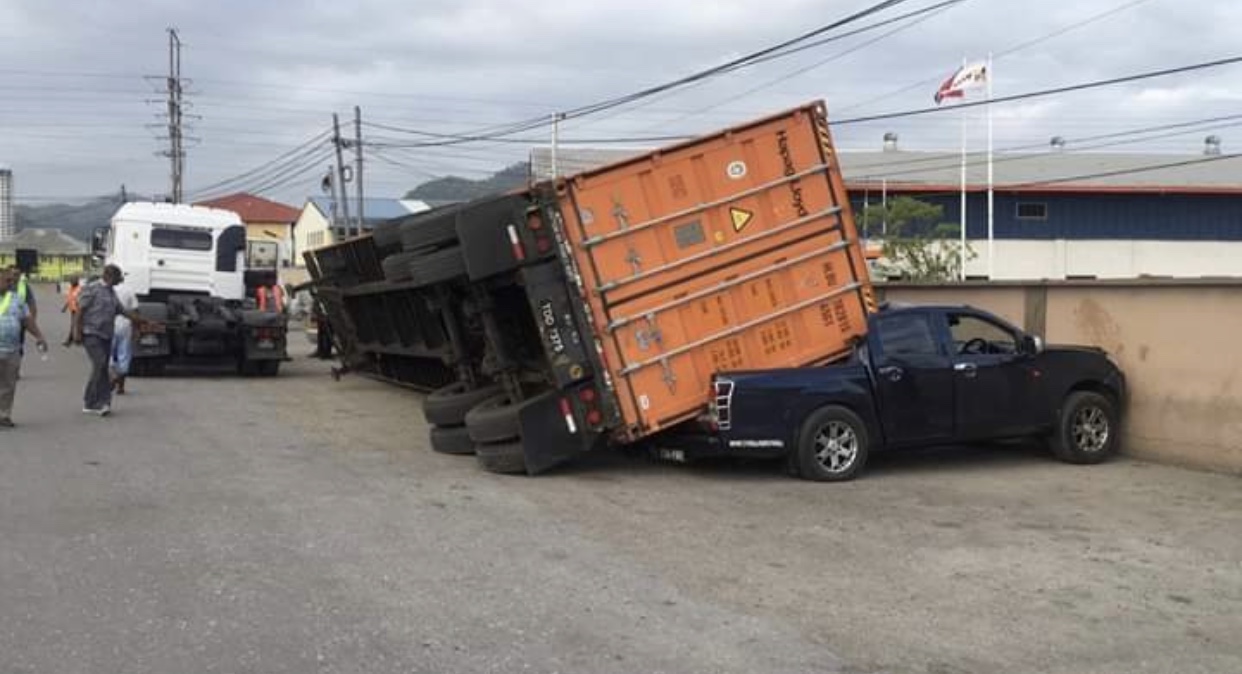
[{"x": 741, "y": 218}]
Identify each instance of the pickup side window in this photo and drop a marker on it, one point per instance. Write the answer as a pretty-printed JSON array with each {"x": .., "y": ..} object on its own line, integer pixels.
[
  {"x": 907, "y": 335},
  {"x": 973, "y": 335}
]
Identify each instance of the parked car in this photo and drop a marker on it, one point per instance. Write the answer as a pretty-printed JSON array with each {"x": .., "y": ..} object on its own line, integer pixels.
[{"x": 923, "y": 376}]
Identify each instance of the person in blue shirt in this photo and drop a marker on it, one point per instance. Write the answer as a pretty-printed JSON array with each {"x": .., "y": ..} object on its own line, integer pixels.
[{"x": 16, "y": 320}]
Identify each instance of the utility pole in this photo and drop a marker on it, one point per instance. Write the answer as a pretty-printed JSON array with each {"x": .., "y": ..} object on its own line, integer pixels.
[
  {"x": 358, "y": 171},
  {"x": 341, "y": 170},
  {"x": 176, "y": 152},
  {"x": 329, "y": 186}
]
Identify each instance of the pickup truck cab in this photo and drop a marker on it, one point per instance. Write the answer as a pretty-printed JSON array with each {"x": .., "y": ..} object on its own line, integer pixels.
[{"x": 923, "y": 376}]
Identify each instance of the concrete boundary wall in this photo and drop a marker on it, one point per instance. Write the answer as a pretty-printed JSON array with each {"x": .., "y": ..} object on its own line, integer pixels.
[{"x": 1178, "y": 341}]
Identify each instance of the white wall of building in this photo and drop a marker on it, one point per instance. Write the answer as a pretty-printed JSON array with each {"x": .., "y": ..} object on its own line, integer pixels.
[
  {"x": 1106, "y": 259},
  {"x": 311, "y": 231}
]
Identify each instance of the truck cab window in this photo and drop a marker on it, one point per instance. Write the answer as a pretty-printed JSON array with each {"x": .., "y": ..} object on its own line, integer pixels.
[
  {"x": 180, "y": 238},
  {"x": 906, "y": 335},
  {"x": 973, "y": 335}
]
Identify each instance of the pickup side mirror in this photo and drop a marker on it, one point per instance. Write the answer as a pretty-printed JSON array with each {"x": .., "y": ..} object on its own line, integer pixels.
[{"x": 1032, "y": 344}]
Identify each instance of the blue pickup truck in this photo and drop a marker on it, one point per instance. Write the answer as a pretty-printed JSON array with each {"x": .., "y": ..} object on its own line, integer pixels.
[{"x": 924, "y": 376}]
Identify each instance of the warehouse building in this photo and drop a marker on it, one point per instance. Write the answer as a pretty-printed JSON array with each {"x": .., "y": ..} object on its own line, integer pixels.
[{"x": 1057, "y": 213}]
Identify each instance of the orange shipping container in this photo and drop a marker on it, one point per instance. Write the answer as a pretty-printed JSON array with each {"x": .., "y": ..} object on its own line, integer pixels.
[{"x": 733, "y": 251}]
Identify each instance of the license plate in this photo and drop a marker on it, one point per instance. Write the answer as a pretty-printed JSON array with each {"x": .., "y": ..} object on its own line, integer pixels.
[
  {"x": 266, "y": 344},
  {"x": 149, "y": 340}
]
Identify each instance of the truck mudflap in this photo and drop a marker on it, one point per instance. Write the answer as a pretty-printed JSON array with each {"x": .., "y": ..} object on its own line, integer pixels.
[{"x": 552, "y": 432}]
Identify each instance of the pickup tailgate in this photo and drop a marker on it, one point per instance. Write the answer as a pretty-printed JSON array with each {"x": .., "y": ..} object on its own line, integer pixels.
[{"x": 734, "y": 251}]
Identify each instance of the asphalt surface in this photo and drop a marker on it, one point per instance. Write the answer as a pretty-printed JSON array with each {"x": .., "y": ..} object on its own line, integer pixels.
[{"x": 219, "y": 524}]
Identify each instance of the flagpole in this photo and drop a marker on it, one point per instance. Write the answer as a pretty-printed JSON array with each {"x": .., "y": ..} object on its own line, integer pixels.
[
  {"x": 962, "y": 251},
  {"x": 991, "y": 219}
]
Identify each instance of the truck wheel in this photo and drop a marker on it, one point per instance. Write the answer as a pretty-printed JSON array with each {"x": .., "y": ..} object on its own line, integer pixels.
[
  {"x": 494, "y": 420},
  {"x": 448, "y": 406},
  {"x": 397, "y": 267},
  {"x": 438, "y": 266},
  {"x": 423, "y": 233},
  {"x": 832, "y": 446},
  {"x": 1087, "y": 430},
  {"x": 451, "y": 440},
  {"x": 506, "y": 458},
  {"x": 386, "y": 235}
]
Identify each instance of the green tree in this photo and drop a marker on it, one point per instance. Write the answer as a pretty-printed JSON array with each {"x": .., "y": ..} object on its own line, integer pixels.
[{"x": 916, "y": 243}]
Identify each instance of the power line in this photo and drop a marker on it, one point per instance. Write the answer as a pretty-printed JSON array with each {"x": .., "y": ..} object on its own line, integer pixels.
[
  {"x": 920, "y": 16},
  {"x": 318, "y": 139},
  {"x": 1002, "y": 54},
  {"x": 1096, "y": 84}
]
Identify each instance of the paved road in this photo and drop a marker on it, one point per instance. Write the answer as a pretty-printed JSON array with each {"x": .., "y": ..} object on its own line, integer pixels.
[{"x": 217, "y": 524}]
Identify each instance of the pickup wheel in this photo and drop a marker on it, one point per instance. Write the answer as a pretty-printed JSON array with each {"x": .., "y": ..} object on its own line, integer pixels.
[
  {"x": 1087, "y": 430},
  {"x": 832, "y": 446}
]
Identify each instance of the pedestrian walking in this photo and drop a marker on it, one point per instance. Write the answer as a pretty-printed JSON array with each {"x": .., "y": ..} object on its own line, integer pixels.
[
  {"x": 16, "y": 320},
  {"x": 98, "y": 307},
  {"x": 21, "y": 286},
  {"x": 123, "y": 338},
  {"x": 71, "y": 306}
]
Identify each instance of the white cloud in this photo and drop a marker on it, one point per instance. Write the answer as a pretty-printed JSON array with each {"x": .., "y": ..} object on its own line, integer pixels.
[{"x": 269, "y": 75}]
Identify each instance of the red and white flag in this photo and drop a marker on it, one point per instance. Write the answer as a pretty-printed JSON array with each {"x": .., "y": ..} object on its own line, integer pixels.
[{"x": 969, "y": 76}]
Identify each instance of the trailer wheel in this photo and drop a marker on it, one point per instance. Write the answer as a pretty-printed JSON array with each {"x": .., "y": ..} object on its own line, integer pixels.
[
  {"x": 397, "y": 267},
  {"x": 832, "y": 446},
  {"x": 448, "y": 406},
  {"x": 451, "y": 440},
  {"x": 424, "y": 233},
  {"x": 1087, "y": 430},
  {"x": 437, "y": 266},
  {"x": 386, "y": 235},
  {"x": 494, "y": 420},
  {"x": 506, "y": 458}
]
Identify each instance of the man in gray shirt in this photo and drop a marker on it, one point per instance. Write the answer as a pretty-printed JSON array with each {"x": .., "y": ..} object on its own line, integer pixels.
[{"x": 98, "y": 307}]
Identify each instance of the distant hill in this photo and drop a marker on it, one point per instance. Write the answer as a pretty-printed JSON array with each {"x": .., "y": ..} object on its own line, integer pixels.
[
  {"x": 76, "y": 220},
  {"x": 453, "y": 188}
]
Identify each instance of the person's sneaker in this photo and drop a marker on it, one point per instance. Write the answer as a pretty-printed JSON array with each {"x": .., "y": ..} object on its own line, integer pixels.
[
  {"x": 7, "y": 423},
  {"x": 87, "y": 410},
  {"x": 107, "y": 409},
  {"x": 99, "y": 412}
]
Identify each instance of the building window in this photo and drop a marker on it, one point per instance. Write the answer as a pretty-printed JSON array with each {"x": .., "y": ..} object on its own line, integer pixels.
[{"x": 1031, "y": 210}]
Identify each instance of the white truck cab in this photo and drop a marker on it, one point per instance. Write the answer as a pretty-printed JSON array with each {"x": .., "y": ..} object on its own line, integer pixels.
[
  {"x": 188, "y": 265},
  {"x": 179, "y": 249}
]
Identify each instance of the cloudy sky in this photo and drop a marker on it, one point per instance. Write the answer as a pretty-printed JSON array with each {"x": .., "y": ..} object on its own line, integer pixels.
[{"x": 80, "y": 80}]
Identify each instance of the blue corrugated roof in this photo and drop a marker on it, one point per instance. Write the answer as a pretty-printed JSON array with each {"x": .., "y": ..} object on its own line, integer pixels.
[{"x": 373, "y": 209}]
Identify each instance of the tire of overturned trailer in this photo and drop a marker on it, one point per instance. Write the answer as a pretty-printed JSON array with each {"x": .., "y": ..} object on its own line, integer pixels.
[
  {"x": 447, "y": 406},
  {"x": 437, "y": 266},
  {"x": 386, "y": 235},
  {"x": 397, "y": 267},
  {"x": 494, "y": 420},
  {"x": 505, "y": 458},
  {"x": 451, "y": 440},
  {"x": 428, "y": 233}
]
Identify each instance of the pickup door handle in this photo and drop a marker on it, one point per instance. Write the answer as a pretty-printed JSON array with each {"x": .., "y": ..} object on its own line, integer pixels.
[
  {"x": 892, "y": 372},
  {"x": 968, "y": 369}
]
